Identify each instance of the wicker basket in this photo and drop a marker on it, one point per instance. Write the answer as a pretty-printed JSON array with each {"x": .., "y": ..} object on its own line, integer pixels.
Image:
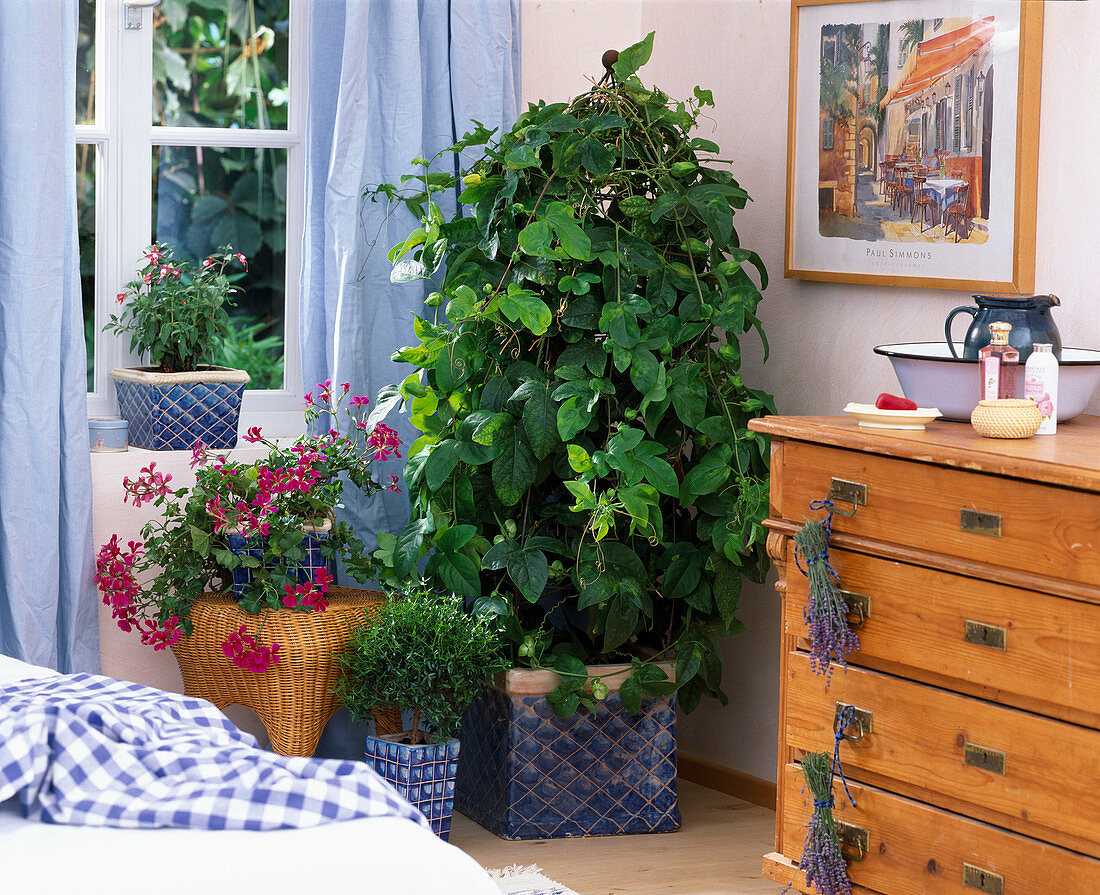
[
  {"x": 294, "y": 698},
  {"x": 1006, "y": 418}
]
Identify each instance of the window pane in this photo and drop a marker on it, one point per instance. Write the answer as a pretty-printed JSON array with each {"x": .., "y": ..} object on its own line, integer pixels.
[
  {"x": 221, "y": 63},
  {"x": 205, "y": 197},
  {"x": 85, "y": 64},
  {"x": 85, "y": 217}
]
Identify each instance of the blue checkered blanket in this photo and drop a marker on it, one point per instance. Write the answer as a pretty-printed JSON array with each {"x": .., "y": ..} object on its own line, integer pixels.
[{"x": 85, "y": 749}]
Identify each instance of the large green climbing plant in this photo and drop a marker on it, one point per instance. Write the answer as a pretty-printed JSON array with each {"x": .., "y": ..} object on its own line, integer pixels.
[{"x": 585, "y": 469}]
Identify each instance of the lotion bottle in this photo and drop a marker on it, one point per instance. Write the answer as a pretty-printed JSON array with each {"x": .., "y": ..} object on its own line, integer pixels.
[
  {"x": 997, "y": 363},
  {"x": 1041, "y": 385}
]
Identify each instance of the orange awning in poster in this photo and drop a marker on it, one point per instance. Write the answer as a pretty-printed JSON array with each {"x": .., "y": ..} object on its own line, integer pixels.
[{"x": 939, "y": 55}]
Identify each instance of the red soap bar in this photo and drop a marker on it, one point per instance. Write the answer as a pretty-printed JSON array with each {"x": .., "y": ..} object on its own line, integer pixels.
[{"x": 887, "y": 401}]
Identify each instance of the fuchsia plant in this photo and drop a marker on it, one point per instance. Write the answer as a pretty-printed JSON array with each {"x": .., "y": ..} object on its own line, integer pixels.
[{"x": 151, "y": 584}]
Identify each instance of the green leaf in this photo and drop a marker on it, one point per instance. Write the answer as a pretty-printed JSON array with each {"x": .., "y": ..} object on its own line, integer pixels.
[
  {"x": 688, "y": 394},
  {"x": 200, "y": 540},
  {"x": 661, "y": 475},
  {"x": 630, "y": 694},
  {"x": 455, "y": 537},
  {"x": 529, "y": 570},
  {"x": 620, "y": 623},
  {"x": 409, "y": 544},
  {"x": 586, "y": 500},
  {"x": 528, "y": 308},
  {"x": 633, "y": 57},
  {"x": 409, "y": 270},
  {"x": 540, "y": 415},
  {"x": 596, "y": 158},
  {"x": 682, "y": 575},
  {"x": 497, "y": 556},
  {"x": 727, "y": 588},
  {"x": 495, "y": 394},
  {"x": 621, "y": 324},
  {"x": 579, "y": 460},
  {"x": 514, "y": 470},
  {"x": 573, "y": 238},
  {"x": 644, "y": 368},
  {"x": 708, "y": 475},
  {"x": 459, "y": 574},
  {"x": 536, "y": 237},
  {"x": 573, "y": 417},
  {"x": 440, "y": 464},
  {"x": 494, "y": 429}
]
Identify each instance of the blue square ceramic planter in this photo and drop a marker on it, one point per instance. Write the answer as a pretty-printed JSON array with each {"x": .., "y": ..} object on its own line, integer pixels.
[
  {"x": 528, "y": 774},
  {"x": 423, "y": 775},
  {"x": 171, "y": 411},
  {"x": 304, "y": 571}
]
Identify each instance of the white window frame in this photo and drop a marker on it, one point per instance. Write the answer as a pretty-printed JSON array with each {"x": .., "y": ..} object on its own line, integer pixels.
[{"x": 124, "y": 137}]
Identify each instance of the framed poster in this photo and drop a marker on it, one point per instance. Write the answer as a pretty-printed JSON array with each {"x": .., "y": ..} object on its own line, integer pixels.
[{"x": 913, "y": 142}]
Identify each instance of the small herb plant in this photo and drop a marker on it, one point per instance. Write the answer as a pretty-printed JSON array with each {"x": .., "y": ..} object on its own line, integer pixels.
[
  {"x": 423, "y": 652},
  {"x": 585, "y": 468},
  {"x": 151, "y": 584},
  {"x": 176, "y": 314}
]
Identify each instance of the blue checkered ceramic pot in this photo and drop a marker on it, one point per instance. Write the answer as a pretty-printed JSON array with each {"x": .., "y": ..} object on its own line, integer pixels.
[
  {"x": 303, "y": 571},
  {"x": 423, "y": 775},
  {"x": 171, "y": 411}
]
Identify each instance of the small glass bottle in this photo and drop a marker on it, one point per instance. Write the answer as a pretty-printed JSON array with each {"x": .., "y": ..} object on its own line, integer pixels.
[
  {"x": 1041, "y": 385},
  {"x": 997, "y": 363}
]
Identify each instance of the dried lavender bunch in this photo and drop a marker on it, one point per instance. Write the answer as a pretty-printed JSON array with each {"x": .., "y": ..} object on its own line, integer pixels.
[
  {"x": 822, "y": 859},
  {"x": 826, "y": 615}
]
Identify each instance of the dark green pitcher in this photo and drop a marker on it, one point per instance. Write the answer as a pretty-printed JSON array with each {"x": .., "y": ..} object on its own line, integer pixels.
[{"x": 1028, "y": 314}]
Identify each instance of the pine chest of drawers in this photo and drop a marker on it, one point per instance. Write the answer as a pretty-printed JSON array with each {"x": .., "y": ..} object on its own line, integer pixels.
[{"x": 972, "y": 566}]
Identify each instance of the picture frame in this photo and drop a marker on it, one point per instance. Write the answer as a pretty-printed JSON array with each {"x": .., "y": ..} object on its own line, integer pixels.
[{"x": 926, "y": 174}]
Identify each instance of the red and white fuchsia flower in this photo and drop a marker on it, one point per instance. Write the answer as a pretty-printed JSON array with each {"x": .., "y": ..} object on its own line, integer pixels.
[{"x": 151, "y": 585}]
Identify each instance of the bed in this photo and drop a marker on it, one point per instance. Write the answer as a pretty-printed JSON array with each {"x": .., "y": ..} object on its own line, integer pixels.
[{"x": 380, "y": 855}]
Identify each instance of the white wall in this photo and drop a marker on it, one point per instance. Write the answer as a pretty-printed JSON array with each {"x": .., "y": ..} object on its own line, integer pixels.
[{"x": 821, "y": 335}]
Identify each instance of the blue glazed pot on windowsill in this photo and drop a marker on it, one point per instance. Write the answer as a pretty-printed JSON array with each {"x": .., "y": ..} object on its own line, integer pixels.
[{"x": 171, "y": 411}]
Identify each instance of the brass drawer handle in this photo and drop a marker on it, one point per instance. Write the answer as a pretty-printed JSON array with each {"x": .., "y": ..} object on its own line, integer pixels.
[
  {"x": 854, "y": 493},
  {"x": 978, "y": 523},
  {"x": 853, "y": 837},
  {"x": 981, "y": 634},
  {"x": 983, "y": 880},
  {"x": 858, "y": 605},
  {"x": 986, "y": 759},
  {"x": 860, "y": 719}
]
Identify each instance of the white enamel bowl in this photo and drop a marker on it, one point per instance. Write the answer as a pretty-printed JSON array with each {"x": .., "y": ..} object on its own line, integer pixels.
[{"x": 931, "y": 377}]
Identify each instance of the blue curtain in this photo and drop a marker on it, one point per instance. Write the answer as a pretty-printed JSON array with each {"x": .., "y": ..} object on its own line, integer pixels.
[
  {"x": 47, "y": 600},
  {"x": 390, "y": 81}
]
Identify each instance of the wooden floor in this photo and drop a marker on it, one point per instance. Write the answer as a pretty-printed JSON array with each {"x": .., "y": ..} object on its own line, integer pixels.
[{"x": 717, "y": 852}]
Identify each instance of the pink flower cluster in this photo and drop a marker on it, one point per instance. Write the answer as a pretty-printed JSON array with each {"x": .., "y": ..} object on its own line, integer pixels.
[
  {"x": 147, "y": 487},
  {"x": 115, "y": 579},
  {"x": 305, "y": 594},
  {"x": 244, "y": 651},
  {"x": 385, "y": 441}
]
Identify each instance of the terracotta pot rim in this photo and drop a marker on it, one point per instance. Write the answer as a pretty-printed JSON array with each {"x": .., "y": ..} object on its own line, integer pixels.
[{"x": 518, "y": 681}]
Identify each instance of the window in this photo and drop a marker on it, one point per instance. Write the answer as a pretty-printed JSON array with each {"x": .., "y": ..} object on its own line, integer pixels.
[
  {"x": 828, "y": 48},
  {"x": 827, "y": 134},
  {"x": 190, "y": 132}
]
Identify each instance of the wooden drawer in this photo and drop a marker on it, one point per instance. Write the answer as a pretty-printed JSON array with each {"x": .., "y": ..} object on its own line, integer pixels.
[
  {"x": 1044, "y": 530},
  {"x": 1025, "y": 648},
  {"x": 915, "y": 849},
  {"x": 941, "y": 747}
]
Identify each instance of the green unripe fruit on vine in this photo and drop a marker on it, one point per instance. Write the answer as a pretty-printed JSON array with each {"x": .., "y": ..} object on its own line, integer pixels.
[
  {"x": 729, "y": 352},
  {"x": 526, "y": 647},
  {"x": 471, "y": 179},
  {"x": 510, "y": 528},
  {"x": 600, "y": 690},
  {"x": 630, "y": 413}
]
